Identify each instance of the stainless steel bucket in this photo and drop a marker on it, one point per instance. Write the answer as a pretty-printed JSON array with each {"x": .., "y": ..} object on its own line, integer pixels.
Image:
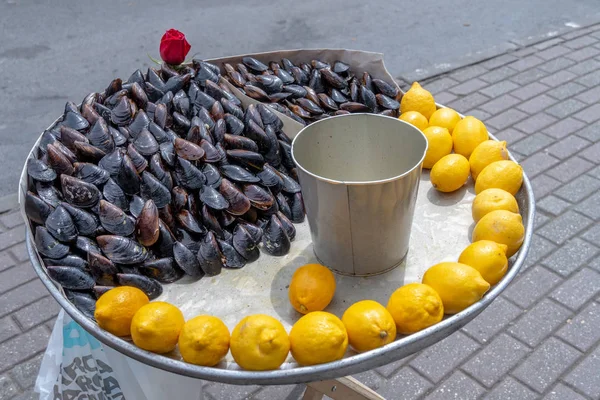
[{"x": 360, "y": 175}]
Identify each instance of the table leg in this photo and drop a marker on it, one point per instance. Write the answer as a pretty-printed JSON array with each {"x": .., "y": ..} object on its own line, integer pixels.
[{"x": 346, "y": 388}]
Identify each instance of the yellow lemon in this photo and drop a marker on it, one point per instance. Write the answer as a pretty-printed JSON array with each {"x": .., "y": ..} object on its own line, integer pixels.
[
  {"x": 493, "y": 199},
  {"x": 318, "y": 337},
  {"x": 458, "y": 285},
  {"x": 503, "y": 227},
  {"x": 414, "y": 118},
  {"x": 369, "y": 325},
  {"x": 487, "y": 257},
  {"x": 156, "y": 326},
  {"x": 415, "y": 307},
  {"x": 506, "y": 175},
  {"x": 468, "y": 133},
  {"x": 450, "y": 173},
  {"x": 444, "y": 117},
  {"x": 204, "y": 340},
  {"x": 259, "y": 343},
  {"x": 485, "y": 154},
  {"x": 311, "y": 289},
  {"x": 439, "y": 144},
  {"x": 418, "y": 99},
  {"x": 115, "y": 309}
]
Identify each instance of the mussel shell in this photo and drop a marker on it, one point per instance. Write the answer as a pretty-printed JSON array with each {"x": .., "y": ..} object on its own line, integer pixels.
[
  {"x": 204, "y": 73},
  {"x": 239, "y": 204},
  {"x": 301, "y": 76},
  {"x": 87, "y": 152},
  {"x": 217, "y": 111},
  {"x": 60, "y": 225},
  {"x": 283, "y": 205},
  {"x": 310, "y": 106},
  {"x": 167, "y": 216},
  {"x": 287, "y": 225},
  {"x": 67, "y": 261},
  {"x": 333, "y": 79},
  {"x": 256, "y": 93},
  {"x": 234, "y": 125},
  {"x": 111, "y": 162},
  {"x": 146, "y": 225},
  {"x": 210, "y": 256},
  {"x": 244, "y": 243},
  {"x": 164, "y": 245},
  {"x": 36, "y": 209},
  {"x": 210, "y": 221},
  {"x": 213, "y": 199},
  {"x": 75, "y": 120},
  {"x": 150, "y": 286},
  {"x": 205, "y": 116},
  {"x": 71, "y": 277},
  {"x": 230, "y": 257},
  {"x": 367, "y": 97},
  {"x": 138, "y": 160},
  {"x": 176, "y": 83},
  {"x": 254, "y": 231},
  {"x": 285, "y": 76},
  {"x": 354, "y": 107},
  {"x": 286, "y": 154},
  {"x": 188, "y": 150},
  {"x": 179, "y": 196},
  {"x": 186, "y": 260},
  {"x": 121, "y": 114},
  {"x": 275, "y": 239},
  {"x": 254, "y": 64},
  {"x": 297, "y": 91},
  {"x": 181, "y": 123},
  {"x": 316, "y": 82},
  {"x": 135, "y": 205},
  {"x": 259, "y": 197},
  {"x": 318, "y": 64},
  {"x": 385, "y": 88},
  {"x": 122, "y": 250},
  {"x": 114, "y": 220},
  {"x": 78, "y": 192},
  {"x": 91, "y": 173},
  {"x": 389, "y": 113},
  {"x": 49, "y": 193},
  {"x": 85, "y": 222},
  {"x": 387, "y": 102},
  {"x": 163, "y": 270},
  {"x": 211, "y": 153},
  {"x": 140, "y": 122},
  {"x": 212, "y": 174},
  {"x": 84, "y": 245},
  {"x": 240, "y": 142},
  {"x": 167, "y": 154},
  {"x": 327, "y": 102},
  {"x": 297, "y": 207},
  {"x": 290, "y": 185},
  {"x": 102, "y": 269},
  {"x": 214, "y": 91},
  {"x": 115, "y": 195},
  {"x": 238, "y": 174},
  {"x": 246, "y": 158},
  {"x": 83, "y": 301},
  {"x": 187, "y": 220},
  {"x": 270, "y": 83},
  {"x": 338, "y": 96},
  {"x": 271, "y": 178},
  {"x": 153, "y": 189},
  {"x": 146, "y": 143},
  {"x": 40, "y": 171},
  {"x": 127, "y": 177},
  {"x": 59, "y": 162},
  {"x": 340, "y": 67},
  {"x": 69, "y": 136},
  {"x": 100, "y": 137},
  {"x": 158, "y": 170},
  {"x": 189, "y": 176},
  {"x": 232, "y": 109}
]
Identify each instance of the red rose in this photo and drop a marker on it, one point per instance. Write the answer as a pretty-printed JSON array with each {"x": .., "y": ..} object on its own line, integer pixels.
[{"x": 174, "y": 47}]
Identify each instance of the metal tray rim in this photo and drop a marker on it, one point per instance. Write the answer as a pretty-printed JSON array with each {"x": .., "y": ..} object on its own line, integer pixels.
[{"x": 394, "y": 351}]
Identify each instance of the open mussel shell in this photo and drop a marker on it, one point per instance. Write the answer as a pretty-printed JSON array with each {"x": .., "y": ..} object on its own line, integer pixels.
[
  {"x": 49, "y": 246},
  {"x": 164, "y": 270},
  {"x": 186, "y": 260},
  {"x": 114, "y": 220},
  {"x": 71, "y": 277},
  {"x": 210, "y": 256},
  {"x": 83, "y": 301},
  {"x": 150, "y": 286},
  {"x": 102, "y": 269},
  {"x": 147, "y": 225},
  {"x": 244, "y": 243},
  {"x": 60, "y": 225},
  {"x": 122, "y": 250},
  {"x": 275, "y": 240},
  {"x": 36, "y": 209},
  {"x": 67, "y": 261},
  {"x": 40, "y": 171}
]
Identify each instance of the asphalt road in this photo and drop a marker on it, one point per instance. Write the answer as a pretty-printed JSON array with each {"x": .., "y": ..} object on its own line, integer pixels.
[{"x": 54, "y": 51}]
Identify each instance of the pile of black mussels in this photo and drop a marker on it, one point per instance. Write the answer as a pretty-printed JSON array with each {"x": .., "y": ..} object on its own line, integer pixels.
[{"x": 158, "y": 177}]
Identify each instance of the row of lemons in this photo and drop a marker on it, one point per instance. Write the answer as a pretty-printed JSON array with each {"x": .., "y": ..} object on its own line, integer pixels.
[{"x": 458, "y": 148}]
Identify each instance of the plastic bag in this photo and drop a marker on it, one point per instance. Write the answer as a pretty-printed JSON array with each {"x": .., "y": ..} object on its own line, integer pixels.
[{"x": 77, "y": 366}]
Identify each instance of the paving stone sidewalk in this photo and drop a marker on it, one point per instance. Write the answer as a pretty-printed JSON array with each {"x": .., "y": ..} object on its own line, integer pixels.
[{"x": 541, "y": 338}]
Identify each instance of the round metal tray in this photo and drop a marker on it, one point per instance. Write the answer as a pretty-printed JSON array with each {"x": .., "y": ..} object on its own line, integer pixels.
[{"x": 353, "y": 364}]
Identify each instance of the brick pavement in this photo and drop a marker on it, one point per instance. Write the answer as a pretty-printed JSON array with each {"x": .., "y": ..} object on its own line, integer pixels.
[{"x": 541, "y": 338}]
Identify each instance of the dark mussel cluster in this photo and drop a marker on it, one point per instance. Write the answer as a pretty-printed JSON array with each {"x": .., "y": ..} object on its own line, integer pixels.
[
  {"x": 309, "y": 92},
  {"x": 158, "y": 177}
]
